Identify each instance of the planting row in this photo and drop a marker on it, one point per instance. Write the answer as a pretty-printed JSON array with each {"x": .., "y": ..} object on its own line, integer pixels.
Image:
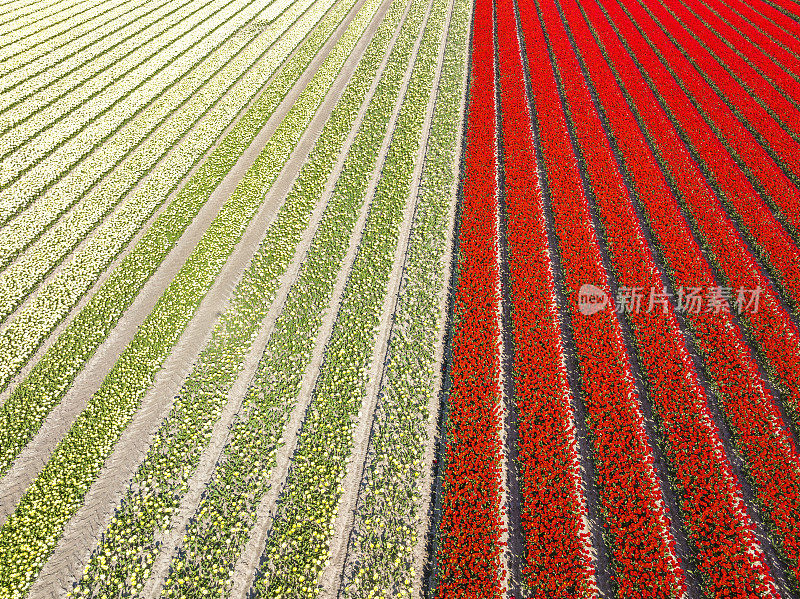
[
  {"x": 22, "y": 414},
  {"x": 468, "y": 543},
  {"x": 162, "y": 479},
  {"x": 659, "y": 167},
  {"x": 30, "y": 533},
  {"x": 557, "y": 562},
  {"x": 381, "y": 554}
]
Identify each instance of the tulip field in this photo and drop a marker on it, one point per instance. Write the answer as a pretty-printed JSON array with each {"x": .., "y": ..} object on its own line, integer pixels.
[{"x": 370, "y": 299}]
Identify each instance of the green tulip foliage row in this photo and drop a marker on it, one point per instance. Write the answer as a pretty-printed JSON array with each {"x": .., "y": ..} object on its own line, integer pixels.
[
  {"x": 222, "y": 524},
  {"x": 29, "y": 535},
  {"x": 298, "y": 547},
  {"x": 380, "y": 556},
  {"x": 126, "y": 160},
  {"x": 33, "y": 399},
  {"x": 129, "y": 546},
  {"x": 34, "y": 322}
]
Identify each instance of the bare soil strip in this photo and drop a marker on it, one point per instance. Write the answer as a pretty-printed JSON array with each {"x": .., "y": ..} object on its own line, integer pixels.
[
  {"x": 245, "y": 570},
  {"x": 83, "y": 531},
  {"x": 434, "y": 406},
  {"x": 31, "y": 460}
]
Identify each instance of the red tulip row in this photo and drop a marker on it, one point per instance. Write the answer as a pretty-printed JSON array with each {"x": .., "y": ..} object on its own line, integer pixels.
[
  {"x": 772, "y": 462},
  {"x": 773, "y": 330},
  {"x": 734, "y": 66},
  {"x": 777, "y": 247},
  {"x": 640, "y": 542},
  {"x": 557, "y": 559},
  {"x": 784, "y": 195},
  {"x": 772, "y": 60},
  {"x": 788, "y": 8},
  {"x": 756, "y": 114},
  {"x": 669, "y": 36},
  {"x": 470, "y": 530},
  {"x": 773, "y": 23},
  {"x": 720, "y": 533},
  {"x": 761, "y": 32}
]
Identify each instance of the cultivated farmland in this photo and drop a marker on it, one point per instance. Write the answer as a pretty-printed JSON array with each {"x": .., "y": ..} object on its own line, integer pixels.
[{"x": 400, "y": 298}]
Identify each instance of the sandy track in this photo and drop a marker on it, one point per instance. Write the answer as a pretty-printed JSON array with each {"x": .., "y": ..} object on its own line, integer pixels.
[
  {"x": 31, "y": 460},
  {"x": 245, "y": 570},
  {"x": 331, "y": 578},
  {"x": 83, "y": 531},
  {"x": 420, "y": 555}
]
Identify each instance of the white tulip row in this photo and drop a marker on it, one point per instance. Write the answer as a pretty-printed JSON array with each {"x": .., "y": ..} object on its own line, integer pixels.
[
  {"x": 27, "y": 11},
  {"x": 139, "y": 29},
  {"x": 22, "y": 414},
  {"x": 298, "y": 548},
  {"x": 20, "y": 8},
  {"x": 40, "y": 82},
  {"x": 29, "y": 534},
  {"x": 28, "y": 38},
  {"x": 161, "y": 481},
  {"x": 241, "y": 477},
  {"x": 221, "y": 72},
  {"x": 43, "y": 146},
  {"x": 380, "y": 556}
]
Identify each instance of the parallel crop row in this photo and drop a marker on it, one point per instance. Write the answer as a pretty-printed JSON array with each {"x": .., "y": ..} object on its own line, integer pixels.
[
  {"x": 38, "y": 33},
  {"x": 658, "y": 167},
  {"x": 209, "y": 79},
  {"x": 43, "y": 146},
  {"x": 46, "y": 79},
  {"x": 223, "y": 521},
  {"x": 380, "y": 557},
  {"x": 776, "y": 335},
  {"x": 134, "y": 152},
  {"x": 721, "y": 534},
  {"x": 33, "y": 398},
  {"x": 65, "y": 143},
  {"x": 637, "y": 531},
  {"x": 161, "y": 481},
  {"x": 557, "y": 560},
  {"x": 704, "y": 120},
  {"x": 30, "y": 533},
  {"x": 299, "y": 544},
  {"x": 469, "y": 541}
]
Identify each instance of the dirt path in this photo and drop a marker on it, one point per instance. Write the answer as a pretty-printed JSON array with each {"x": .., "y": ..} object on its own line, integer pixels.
[
  {"x": 83, "y": 531},
  {"x": 244, "y": 573},
  {"x": 420, "y": 555},
  {"x": 31, "y": 460}
]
